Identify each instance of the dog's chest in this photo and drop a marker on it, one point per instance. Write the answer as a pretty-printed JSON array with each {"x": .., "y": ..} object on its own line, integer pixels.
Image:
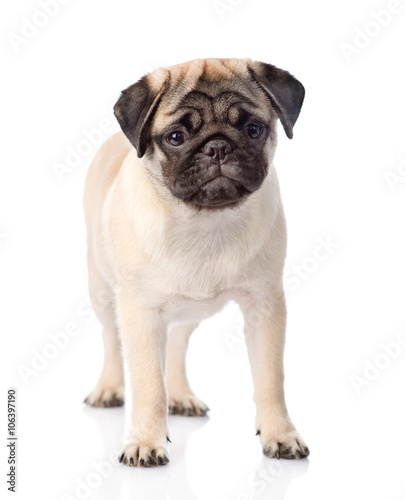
[
  {"x": 203, "y": 259},
  {"x": 198, "y": 266}
]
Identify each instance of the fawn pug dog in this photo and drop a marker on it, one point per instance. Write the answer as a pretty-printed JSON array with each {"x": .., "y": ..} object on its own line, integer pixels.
[{"x": 183, "y": 214}]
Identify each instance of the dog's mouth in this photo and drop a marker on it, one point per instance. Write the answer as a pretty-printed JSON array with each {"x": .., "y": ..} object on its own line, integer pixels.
[{"x": 219, "y": 192}]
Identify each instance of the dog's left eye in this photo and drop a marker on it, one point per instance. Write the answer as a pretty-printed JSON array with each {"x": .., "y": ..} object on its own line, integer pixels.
[
  {"x": 254, "y": 131},
  {"x": 176, "y": 138}
]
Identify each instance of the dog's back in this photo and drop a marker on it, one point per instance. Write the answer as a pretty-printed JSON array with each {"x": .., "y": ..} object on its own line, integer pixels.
[{"x": 101, "y": 174}]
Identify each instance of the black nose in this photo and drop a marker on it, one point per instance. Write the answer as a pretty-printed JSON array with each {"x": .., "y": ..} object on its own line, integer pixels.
[{"x": 217, "y": 149}]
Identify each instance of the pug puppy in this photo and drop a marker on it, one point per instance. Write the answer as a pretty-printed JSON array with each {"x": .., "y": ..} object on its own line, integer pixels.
[{"x": 184, "y": 214}]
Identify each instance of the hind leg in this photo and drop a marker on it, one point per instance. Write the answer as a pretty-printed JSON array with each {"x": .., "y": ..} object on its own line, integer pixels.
[
  {"x": 182, "y": 400},
  {"x": 109, "y": 390}
]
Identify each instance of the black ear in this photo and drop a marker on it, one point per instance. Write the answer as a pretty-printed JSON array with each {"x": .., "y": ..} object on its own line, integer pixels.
[
  {"x": 134, "y": 111},
  {"x": 285, "y": 92}
]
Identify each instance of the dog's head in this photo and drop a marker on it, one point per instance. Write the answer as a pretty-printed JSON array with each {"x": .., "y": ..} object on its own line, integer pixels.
[{"x": 208, "y": 127}]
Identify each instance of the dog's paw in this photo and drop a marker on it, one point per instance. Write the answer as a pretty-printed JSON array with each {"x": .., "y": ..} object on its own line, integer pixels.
[
  {"x": 143, "y": 455},
  {"x": 188, "y": 405},
  {"x": 105, "y": 397},
  {"x": 289, "y": 445}
]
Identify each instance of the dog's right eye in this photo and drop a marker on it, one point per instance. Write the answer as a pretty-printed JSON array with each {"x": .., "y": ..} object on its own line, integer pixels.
[{"x": 176, "y": 138}]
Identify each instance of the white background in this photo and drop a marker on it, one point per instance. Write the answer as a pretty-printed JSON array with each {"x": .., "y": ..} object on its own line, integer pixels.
[{"x": 341, "y": 180}]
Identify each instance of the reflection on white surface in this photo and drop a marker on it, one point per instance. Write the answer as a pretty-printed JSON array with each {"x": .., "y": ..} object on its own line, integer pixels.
[{"x": 198, "y": 468}]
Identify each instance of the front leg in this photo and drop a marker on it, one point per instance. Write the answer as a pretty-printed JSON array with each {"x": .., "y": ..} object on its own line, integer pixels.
[
  {"x": 143, "y": 335},
  {"x": 265, "y": 322}
]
